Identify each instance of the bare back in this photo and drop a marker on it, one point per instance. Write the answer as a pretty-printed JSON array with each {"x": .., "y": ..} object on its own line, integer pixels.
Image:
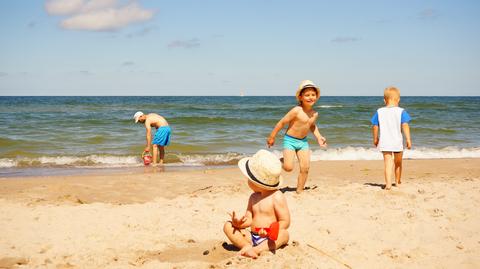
[{"x": 155, "y": 120}]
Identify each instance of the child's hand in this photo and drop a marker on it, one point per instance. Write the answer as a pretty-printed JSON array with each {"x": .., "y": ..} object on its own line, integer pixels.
[
  {"x": 409, "y": 144},
  {"x": 322, "y": 141},
  {"x": 375, "y": 142},
  {"x": 270, "y": 141},
  {"x": 236, "y": 222}
]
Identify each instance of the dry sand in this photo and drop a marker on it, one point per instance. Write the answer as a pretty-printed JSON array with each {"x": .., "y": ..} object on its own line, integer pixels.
[{"x": 174, "y": 219}]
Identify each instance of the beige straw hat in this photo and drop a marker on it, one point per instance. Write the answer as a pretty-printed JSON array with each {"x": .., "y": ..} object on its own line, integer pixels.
[
  {"x": 262, "y": 169},
  {"x": 306, "y": 84}
]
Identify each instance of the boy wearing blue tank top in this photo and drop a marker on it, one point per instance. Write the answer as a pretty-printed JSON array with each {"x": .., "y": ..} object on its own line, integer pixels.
[{"x": 388, "y": 124}]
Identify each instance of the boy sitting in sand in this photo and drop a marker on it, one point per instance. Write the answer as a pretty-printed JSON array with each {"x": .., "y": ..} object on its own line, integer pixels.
[
  {"x": 162, "y": 135},
  {"x": 300, "y": 120},
  {"x": 267, "y": 213},
  {"x": 391, "y": 120}
]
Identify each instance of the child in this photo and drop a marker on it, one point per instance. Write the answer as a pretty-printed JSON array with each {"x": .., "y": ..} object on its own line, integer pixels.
[
  {"x": 267, "y": 213},
  {"x": 300, "y": 120},
  {"x": 162, "y": 135},
  {"x": 391, "y": 120}
]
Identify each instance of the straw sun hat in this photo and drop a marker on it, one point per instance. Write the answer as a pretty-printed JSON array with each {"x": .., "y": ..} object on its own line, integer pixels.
[
  {"x": 306, "y": 84},
  {"x": 262, "y": 169}
]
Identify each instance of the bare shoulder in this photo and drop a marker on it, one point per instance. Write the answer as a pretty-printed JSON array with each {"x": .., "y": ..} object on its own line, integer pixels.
[
  {"x": 253, "y": 197},
  {"x": 296, "y": 109},
  {"x": 279, "y": 197}
]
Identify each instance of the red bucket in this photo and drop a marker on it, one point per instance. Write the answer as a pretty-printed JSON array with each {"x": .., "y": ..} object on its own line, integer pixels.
[{"x": 147, "y": 158}]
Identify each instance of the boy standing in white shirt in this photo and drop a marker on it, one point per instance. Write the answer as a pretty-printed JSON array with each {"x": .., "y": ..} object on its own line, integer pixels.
[{"x": 391, "y": 120}]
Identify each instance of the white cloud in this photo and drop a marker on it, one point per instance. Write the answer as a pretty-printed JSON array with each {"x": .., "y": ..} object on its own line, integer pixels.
[
  {"x": 428, "y": 14},
  {"x": 63, "y": 7},
  {"x": 97, "y": 15},
  {"x": 186, "y": 44}
]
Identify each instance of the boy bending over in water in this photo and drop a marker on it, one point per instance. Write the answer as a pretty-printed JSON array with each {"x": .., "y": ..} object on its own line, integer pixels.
[
  {"x": 162, "y": 135},
  {"x": 267, "y": 213},
  {"x": 300, "y": 120}
]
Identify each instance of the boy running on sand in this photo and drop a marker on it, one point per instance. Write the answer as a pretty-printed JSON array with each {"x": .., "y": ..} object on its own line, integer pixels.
[
  {"x": 162, "y": 135},
  {"x": 391, "y": 120},
  {"x": 300, "y": 120},
  {"x": 267, "y": 213}
]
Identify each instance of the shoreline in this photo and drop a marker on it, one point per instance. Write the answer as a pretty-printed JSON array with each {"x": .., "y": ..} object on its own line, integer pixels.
[
  {"x": 35, "y": 172},
  {"x": 174, "y": 218}
]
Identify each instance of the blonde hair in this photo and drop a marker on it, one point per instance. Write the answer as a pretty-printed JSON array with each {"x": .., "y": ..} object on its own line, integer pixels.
[{"x": 391, "y": 93}]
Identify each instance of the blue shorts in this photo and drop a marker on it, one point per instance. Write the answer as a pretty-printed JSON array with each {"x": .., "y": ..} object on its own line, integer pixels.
[
  {"x": 257, "y": 239},
  {"x": 296, "y": 144},
  {"x": 162, "y": 136}
]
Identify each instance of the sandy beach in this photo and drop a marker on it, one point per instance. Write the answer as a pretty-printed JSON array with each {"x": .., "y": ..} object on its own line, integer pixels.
[{"x": 174, "y": 219}]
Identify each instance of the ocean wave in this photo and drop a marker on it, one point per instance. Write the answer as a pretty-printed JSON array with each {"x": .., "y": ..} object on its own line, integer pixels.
[
  {"x": 329, "y": 106},
  {"x": 230, "y": 158},
  {"x": 360, "y": 153},
  {"x": 210, "y": 159},
  {"x": 97, "y": 161}
]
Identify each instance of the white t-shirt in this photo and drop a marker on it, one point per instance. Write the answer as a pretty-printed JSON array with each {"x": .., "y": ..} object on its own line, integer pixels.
[{"x": 390, "y": 120}]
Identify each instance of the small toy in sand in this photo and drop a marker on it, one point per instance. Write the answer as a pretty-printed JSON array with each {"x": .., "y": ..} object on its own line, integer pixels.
[{"x": 147, "y": 157}]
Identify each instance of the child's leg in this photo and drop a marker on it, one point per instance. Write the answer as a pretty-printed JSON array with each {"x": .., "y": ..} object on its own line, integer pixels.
[
  {"x": 155, "y": 153},
  {"x": 288, "y": 159},
  {"x": 239, "y": 238},
  {"x": 304, "y": 161},
  {"x": 282, "y": 239},
  {"x": 398, "y": 167},
  {"x": 388, "y": 166},
  {"x": 162, "y": 153}
]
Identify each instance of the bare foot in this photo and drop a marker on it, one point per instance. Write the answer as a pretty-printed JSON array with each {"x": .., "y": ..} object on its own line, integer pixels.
[
  {"x": 248, "y": 251},
  {"x": 387, "y": 188}
]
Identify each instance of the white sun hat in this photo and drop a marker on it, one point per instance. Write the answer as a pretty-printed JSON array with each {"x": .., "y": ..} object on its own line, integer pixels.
[
  {"x": 262, "y": 169},
  {"x": 307, "y": 84},
  {"x": 137, "y": 115}
]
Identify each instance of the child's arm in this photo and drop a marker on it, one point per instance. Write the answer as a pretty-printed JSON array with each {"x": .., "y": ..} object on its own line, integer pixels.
[
  {"x": 406, "y": 131},
  {"x": 281, "y": 210},
  {"x": 281, "y": 123},
  {"x": 246, "y": 220},
  {"x": 375, "y": 124},
  {"x": 322, "y": 141},
  {"x": 375, "y": 135},
  {"x": 149, "y": 135}
]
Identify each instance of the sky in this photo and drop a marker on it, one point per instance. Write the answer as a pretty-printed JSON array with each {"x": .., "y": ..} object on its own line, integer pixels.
[{"x": 229, "y": 47}]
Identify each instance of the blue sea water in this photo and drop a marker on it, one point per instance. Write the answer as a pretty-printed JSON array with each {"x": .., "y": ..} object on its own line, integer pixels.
[{"x": 99, "y": 132}]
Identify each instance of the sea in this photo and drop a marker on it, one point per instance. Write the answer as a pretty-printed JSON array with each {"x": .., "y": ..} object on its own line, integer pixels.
[{"x": 63, "y": 135}]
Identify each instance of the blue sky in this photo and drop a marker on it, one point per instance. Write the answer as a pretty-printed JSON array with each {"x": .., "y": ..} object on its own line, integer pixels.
[{"x": 260, "y": 47}]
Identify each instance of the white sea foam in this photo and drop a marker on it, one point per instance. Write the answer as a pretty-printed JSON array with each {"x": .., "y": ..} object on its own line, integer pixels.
[
  {"x": 360, "y": 153},
  {"x": 73, "y": 161},
  {"x": 210, "y": 159},
  {"x": 329, "y": 106},
  {"x": 347, "y": 153}
]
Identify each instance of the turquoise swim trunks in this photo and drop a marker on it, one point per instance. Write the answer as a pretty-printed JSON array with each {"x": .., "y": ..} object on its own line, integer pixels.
[
  {"x": 296, "y": 144},
  {"x": 162, "y": 136}
]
